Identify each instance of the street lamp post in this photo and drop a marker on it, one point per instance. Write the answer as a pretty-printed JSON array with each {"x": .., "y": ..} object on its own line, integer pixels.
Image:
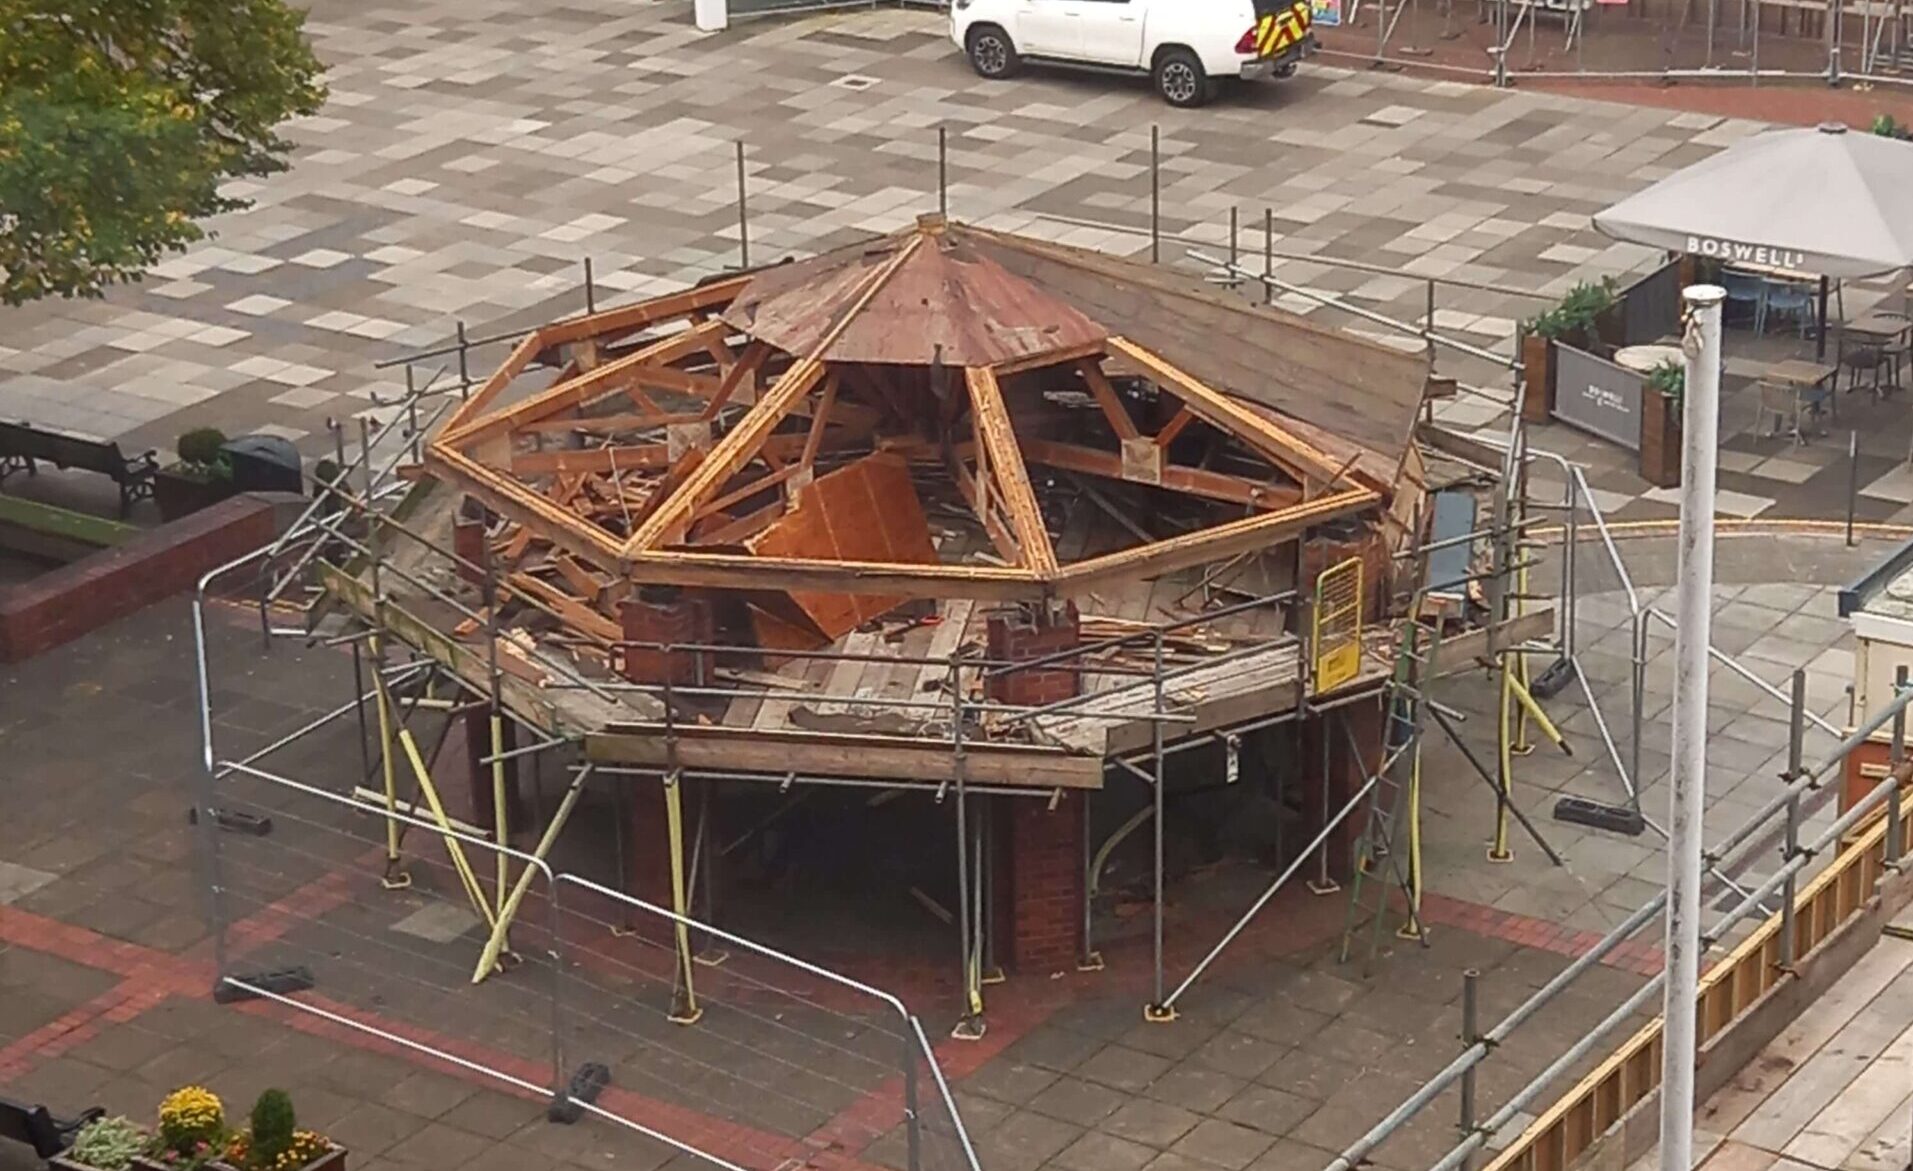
[{"x": 1700, "y": 432}]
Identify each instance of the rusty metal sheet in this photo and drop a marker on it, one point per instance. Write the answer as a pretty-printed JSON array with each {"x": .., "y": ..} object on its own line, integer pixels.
[
  {"x": 863, "y": 511},
  {"x": 946, "y": 294}
]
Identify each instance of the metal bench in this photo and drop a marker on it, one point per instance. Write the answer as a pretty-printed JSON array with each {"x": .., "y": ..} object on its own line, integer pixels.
[
  {"x": 36, "y": 1128},
  {"x": 22, "y": 445}
]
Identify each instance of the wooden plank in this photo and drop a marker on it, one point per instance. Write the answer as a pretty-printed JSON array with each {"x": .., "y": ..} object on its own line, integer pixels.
[
  {"x": 511, "y": 499},
  {"x": 1060, "y": 357},
  {"x": 632, "y": 457},
  {"x": 1868, "y": 1101},
  {"x": 585, "y": 387},
  {"x": 745, "y": 369},
  {"x": 1175, "y": 427},
  {"x": 1458, "y": 652},
  {"x": 514, "y": 365},
  {"x": 743, "y": 571},
  {"x": 1219, "y": 411},
  {"x": 627, "y": 318},
  {"x": 570, "y": 610},
  {"x": 837, "y": 754},
  {"x": 1214, "y": 544},
  {"x": 1239, "y": 686},
  {"x": 819, "y": 421},
  {"x": 1189, "y": 481},
  {"x": 1111, "y": 402},
  {"x": 1012, "y": 478},
  {"x": 737, "y": 447}
]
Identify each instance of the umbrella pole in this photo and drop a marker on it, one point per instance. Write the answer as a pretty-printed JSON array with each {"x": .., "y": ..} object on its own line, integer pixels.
[{"x": 1820, "y": 340}]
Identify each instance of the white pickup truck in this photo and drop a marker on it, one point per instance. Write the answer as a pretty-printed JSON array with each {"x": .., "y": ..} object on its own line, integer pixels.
[{"x": 1188, "y": 47}]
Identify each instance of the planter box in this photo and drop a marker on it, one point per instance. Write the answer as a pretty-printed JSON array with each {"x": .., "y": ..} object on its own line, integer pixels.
[
  {"x": 178, "y": 494},
  {"x": 1660, "y": 439},
  {"x": 332, "y": 1160},
  {"x": 1537, "y": 378}
]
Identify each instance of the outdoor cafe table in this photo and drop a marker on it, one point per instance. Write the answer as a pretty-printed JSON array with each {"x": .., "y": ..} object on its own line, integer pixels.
[
  {"x": 1644, "y": 359},
  {"x": 1880, "y": 329},
  {"x": 1808, "y": 386},
  {"x": 1800, "y": 374}
]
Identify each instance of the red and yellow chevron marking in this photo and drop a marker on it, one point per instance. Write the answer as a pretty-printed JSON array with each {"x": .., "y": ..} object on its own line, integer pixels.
[{"x": 1280, "y": 31}]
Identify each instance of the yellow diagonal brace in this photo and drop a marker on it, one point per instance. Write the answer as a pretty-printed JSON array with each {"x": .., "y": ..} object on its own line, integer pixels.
[
  {"x": 488, "y": 959},
  {"x": 689, "y": 1012}
]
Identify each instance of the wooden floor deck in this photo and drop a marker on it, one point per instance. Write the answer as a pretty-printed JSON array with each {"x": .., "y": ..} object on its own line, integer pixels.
[{"x": 1834, "y": 1092}]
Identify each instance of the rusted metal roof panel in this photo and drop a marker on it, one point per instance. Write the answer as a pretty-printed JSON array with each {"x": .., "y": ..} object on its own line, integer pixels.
[{"x": 947, "y": 294}]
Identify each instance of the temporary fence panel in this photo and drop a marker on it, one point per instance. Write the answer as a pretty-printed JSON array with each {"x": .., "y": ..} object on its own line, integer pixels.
[
  {"x": 1597, "y": 396},
  {"x": 782, "y": 1058}
]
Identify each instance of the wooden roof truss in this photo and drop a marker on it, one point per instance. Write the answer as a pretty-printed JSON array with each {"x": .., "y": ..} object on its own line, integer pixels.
[{"x": 670, "y": 440}]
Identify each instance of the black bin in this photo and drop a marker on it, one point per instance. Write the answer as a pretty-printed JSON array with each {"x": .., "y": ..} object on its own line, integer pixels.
[{"x": 264, "y": 463}]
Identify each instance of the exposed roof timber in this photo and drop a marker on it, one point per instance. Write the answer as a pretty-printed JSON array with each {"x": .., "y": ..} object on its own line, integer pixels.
[
  {"x": 1220, "y": 411},
  {"x": 514, "y": 365},
  {"x": 577, "y": 391},
  {"x": 745, "y": 571},
  {"x": 1114, "y": 409},
  {"x": 747, "y": 366},
  {"x": 1213, "y": 544},
  {"x": 1060, "y": 357},
  {"x": 509, "y": 498},
  {"x": 627, "y": 318},
  {"x": 1191, "y": 481},
  {"x": 737, "y": 446},
  {"x": 1011, "y": 476}
]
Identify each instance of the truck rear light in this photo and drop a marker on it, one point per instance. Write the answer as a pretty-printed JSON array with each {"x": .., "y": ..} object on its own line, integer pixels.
[{"x": 1247, "y": 45}]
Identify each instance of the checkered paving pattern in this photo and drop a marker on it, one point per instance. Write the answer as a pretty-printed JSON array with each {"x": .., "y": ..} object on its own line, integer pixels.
[{"x": 473, "y": 154}]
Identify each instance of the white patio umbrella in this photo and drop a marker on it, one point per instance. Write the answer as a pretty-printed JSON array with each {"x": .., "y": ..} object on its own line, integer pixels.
[{"x": 1820, "y": 200}]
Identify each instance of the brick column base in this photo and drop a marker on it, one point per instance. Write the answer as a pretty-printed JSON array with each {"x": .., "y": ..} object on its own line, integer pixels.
[
  {"x": 647, "y": 841},
  {"x": 1034, "y": 634},
  {"x": 1045, "y": 880},
  {"x": 1346, "y": 777}
]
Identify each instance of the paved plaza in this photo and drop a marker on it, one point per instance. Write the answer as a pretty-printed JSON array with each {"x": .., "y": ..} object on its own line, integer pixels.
[
  {"x": 474, "y": 154},
  {"x": 1282, "y": 1056}
]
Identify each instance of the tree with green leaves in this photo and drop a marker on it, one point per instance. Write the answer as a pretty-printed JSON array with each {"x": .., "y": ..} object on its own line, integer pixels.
[{"x": 119, "y": 121}]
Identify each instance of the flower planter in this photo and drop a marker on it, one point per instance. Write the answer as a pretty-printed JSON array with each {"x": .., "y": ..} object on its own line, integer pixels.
[
  {"x": 179, "y": 494},
  {"x": 1660, "y": 439},
  {"x": 332, "y": 1160},
  {"x": 1537, "y": 370}
]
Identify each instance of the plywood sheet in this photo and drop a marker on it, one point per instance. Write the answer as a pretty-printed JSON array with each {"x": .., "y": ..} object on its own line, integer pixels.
[{"x": 864, "y": 511}]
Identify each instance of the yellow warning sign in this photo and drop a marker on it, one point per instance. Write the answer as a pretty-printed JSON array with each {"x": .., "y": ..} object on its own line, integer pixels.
[{"x": 1338, "y": 625}]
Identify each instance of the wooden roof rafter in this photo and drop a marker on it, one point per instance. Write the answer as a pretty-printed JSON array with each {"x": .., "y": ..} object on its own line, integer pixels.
[
  {"x": 586, "y": 387},
  {"x": 740, "y": 444}
]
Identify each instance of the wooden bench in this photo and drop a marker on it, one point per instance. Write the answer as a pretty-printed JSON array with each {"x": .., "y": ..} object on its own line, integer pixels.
[
  {"x": 36, "y": 1128},
  {"x": 22, "y": 445}
]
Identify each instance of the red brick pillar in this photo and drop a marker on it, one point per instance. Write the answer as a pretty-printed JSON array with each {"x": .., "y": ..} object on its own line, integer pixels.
[
  {"x": 468, "y": 540},
  {"x": 478, "y": 746},
  {"x": 663, "y": 615},
  {"x": 1034, "y": 633},
  {"x": 1345, "y": 775},
  {"x": 1045, "y": 927},
  {"x": 647, "y": 841}
]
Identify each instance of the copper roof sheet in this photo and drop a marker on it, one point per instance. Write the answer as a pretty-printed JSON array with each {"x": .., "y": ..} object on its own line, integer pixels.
[{"x": 948, "y": 294}]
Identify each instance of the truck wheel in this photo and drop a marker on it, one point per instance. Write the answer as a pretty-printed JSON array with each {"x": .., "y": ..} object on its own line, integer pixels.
[
  {"x": 1180, "y": 79},
  {"x": 991, "y": 53}
]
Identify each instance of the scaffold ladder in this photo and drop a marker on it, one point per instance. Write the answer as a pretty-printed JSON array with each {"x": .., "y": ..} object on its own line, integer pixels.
[{"x": 1393, "y": 806}]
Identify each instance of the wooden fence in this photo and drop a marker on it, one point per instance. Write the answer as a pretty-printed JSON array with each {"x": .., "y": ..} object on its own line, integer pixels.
[{"x": 1753, "y": 974}]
